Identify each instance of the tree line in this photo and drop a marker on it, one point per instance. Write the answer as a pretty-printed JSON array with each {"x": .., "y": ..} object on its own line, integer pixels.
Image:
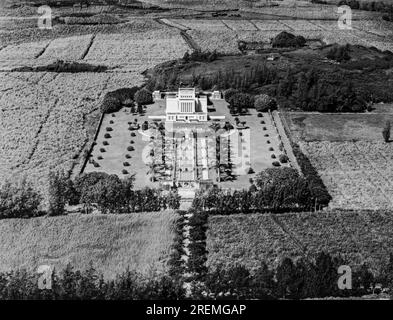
[
  {"x": 107, "y": 193},
  {"x": 300, "y": 279},
  {"x": 272, "y": 190}
]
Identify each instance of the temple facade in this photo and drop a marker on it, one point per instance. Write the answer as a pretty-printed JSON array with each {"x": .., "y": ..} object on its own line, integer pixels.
[{"x": 186, "y": 106}]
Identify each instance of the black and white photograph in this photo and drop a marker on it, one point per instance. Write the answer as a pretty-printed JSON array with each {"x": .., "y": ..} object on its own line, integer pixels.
[{"x": 207, "y": 152}]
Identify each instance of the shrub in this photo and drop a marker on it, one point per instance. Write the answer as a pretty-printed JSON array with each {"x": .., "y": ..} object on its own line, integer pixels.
[
  {"x": 339, "y": 53},
  {"x": 126, "y": 164},
  {"x": 266, "y": 135},
  {"x": 102, "y": 150},
  {"x": 276, "y": 164},
  {"x": 143, "y": 96},
  {"x": 132, "y": 142},
  {"x": 273, "y": 156},
  {"x": 107, "y": 136},
  {"x": 105, "y": 143},
  {"x": 145, "y": 126},
  {"x": 114, "y": 100},
  {"x": 109, "y": 129},
  {"x": 96, "y": 164},
  {"x": 128, "y": 156},
  {"x": 229, "y": 93},
  {"x": 386, "y": 131},
  {"x": 110, "y": 104},
  {"x": 111, "y": 122},
  {"x": 124, "y": 171},
  {"x": 271, "y": 149},
  {"x": 99, "y": 157},
  {"x": 130, "y": 148},
  {"x": 268, "y": 141},
  {"x": 19, "y": 200},
  {"x": 264, "y": 128},
  {"x": 285, "y": 39},
  {"x": 241, "y": 101},
  {"x": 260, "y": 115},
  {"x": 133, "y": 134},
  {"x": 264, "y": 102},
  {"x": 113, "y": 115},
  {"x": 283, "y": 158}
]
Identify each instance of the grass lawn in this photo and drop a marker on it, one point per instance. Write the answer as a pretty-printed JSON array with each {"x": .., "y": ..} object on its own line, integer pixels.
[
  {"x": 338, "y": 127},
  {"x": 249, "y": 239},
  {"x": 140, "y": 241},
  {"x": 257, "y": 153}
]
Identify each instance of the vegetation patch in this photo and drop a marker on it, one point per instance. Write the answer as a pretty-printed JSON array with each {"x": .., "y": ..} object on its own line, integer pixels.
[
  {"x": 63, "y": 66},
  {"x": 141, "y": 241}
]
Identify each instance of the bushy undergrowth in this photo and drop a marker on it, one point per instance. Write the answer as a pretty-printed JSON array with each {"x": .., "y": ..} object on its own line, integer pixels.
[{"x": 64, "y": 66}]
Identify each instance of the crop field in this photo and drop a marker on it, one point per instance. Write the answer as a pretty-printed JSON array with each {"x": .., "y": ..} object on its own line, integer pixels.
[
  {"x": 223, "y": 35},
  {"x": 337, "y": 127},
  {"x": 113, "y": 243},
  {"x": 349, "y": 153},
  {"x": 47, "y": 118},
  {"x": 43, "y": 123},
  {"x": 136, "y": 52},
  {"x": 357, "y": 174},
  {"x": 359, "y": 237}
]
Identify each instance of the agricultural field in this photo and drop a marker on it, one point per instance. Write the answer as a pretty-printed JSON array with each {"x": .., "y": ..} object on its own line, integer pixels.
[
  {"x": 48, "y": 119},
  {"x": 359, "y": 237},
  {"x": 113, "y": 243},
  {"x": 349, "y": 153},
  {"x": 358, "y": 175},
  {"x": 223, "y": 35}
]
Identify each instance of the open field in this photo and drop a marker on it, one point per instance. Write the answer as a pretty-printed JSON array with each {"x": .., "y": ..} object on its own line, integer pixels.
[
  {"x": 338, "y": 127},
  {"x": 222, "y": 35},
  {"x": 46, "y": 120},
  {"x": 359, "y": 237},
  {"x": 140, "y": 241},
  {"x": 358, "y": 175},
  {"x": 349, "y": 153}
]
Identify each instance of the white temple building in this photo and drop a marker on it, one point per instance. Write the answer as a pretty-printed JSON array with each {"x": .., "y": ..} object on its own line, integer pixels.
[{"x": 184, "y": 106}]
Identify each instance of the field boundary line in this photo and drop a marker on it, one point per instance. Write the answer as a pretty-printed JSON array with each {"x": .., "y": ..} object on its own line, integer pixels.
[
  {"x": 370, "y": 33},
  {"x": 225, "y": 24},
  {"x": 85, "y": 53},
  {"x": 316, "y": 25},
  {"x": 290, "y": 234},
  {"x": 190, "y": 41},
  {"x": 287, "y": 25},
  {"x": 37, "y": 136},
  {"x": 253, "y": 23},
  {"x": 43, "y": 50},
  {"x": 168, "y": 22}
]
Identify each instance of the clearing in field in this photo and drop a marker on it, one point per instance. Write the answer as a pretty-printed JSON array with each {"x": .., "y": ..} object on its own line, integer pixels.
[
  {"x": 113, "y": 243},
  {"x": 359, "y": 237}
]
